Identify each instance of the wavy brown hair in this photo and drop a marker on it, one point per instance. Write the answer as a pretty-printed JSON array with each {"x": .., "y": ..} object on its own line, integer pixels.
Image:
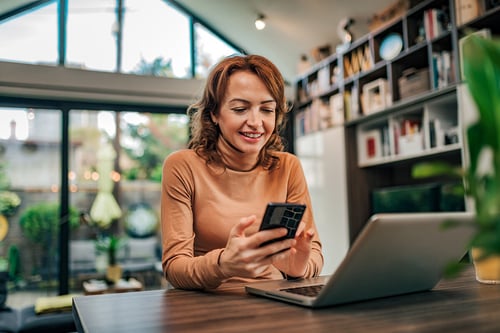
[{"x": 205, "y": 133}]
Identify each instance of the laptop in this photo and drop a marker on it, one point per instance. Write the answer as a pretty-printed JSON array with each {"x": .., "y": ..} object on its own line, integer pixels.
[{"x": 394, "y": 254}]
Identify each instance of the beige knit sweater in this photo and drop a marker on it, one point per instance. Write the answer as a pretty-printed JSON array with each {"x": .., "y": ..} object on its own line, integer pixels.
[{"x": 200, "y": 204}]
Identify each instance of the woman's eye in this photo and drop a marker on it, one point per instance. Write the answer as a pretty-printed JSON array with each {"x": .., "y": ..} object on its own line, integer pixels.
[
  {"x": 241, "y": 109},
  {"x": 268, "y": 110}
]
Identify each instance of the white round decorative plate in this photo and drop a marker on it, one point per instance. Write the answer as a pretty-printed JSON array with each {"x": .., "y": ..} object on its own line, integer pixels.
[{"x": 391, "y": 46}]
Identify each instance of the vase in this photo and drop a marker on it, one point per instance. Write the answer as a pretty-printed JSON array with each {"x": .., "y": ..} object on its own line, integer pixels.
[
  {"x": 114, "y": 273},
  {"x": 487, "y": 269},
  {"x": 101, "y": 262}
]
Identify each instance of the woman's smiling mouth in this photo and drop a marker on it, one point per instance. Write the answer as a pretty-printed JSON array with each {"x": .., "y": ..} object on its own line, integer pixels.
[{"x": 251, "y": 135}]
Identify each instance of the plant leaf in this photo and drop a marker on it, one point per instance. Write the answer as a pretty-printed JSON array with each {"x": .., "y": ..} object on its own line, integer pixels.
[
  {"x": 438, "y": 168},
  {"x": 482, "y": 72}
]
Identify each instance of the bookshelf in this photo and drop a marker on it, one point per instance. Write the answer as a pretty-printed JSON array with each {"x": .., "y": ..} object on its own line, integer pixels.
[{"x": 396, "y": 94}]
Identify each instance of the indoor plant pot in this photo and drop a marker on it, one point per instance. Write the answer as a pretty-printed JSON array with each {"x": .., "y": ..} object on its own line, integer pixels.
[
  {"x": 110, "y": 245},
  {"x": 481, "y": 60}
]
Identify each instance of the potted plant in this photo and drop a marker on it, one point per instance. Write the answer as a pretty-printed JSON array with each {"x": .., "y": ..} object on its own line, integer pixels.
[
  {"x": 110, "y": 245},
  {"x": 481, "y": 59}
]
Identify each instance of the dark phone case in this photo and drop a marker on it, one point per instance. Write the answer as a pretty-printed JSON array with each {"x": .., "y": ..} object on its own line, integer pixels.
[{"x": 278, "y": 215}]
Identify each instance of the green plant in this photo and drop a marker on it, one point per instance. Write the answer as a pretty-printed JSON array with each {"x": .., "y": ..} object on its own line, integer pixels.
[
  {"x": 9, "y": 202},
  {"x": 41, "y": 222},
  {"x": 110, "y": 245},
  {"x": 482, "y": 177},
  {"x": 153, "y": 140}
]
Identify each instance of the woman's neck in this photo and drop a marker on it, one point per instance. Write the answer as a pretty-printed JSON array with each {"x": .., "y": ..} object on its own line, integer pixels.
[{"x": 235, "y": 159}]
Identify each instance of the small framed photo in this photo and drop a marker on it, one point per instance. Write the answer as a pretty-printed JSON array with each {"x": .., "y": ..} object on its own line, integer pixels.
[{"x": 376, "y": 96}]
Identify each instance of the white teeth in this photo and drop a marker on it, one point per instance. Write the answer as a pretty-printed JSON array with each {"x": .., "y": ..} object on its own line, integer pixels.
[{"x": 252, "y": 135}]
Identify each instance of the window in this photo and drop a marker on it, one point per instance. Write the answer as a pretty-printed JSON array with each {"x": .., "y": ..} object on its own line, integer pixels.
[
  {"x": 30, "y": 37},
  {"x": 91, "y": 40},
  {"x": 33, "y": 145},
  {"x": 118, "y": 189},
  {"x": 155, "y": 40},
  {"x": 209, "y": 50},
  {"x": 30, "y": 169},
  {"x": 30, "y": 160}
]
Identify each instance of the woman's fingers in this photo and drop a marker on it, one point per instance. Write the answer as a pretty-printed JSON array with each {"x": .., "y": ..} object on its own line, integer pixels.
[{"x": 245, "y": 222}]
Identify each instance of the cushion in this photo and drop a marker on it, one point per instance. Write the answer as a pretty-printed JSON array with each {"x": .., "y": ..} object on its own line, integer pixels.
[{"x": 54, "y": 304}]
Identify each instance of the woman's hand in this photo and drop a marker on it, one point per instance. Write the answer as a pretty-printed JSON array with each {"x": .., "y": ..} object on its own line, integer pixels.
[
  {"x": 294, "y": 262},
  {"x": 244, "y": 257}
]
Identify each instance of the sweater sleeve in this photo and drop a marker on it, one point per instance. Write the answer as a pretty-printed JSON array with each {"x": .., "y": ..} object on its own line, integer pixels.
[{"x": 181, "y": 268}]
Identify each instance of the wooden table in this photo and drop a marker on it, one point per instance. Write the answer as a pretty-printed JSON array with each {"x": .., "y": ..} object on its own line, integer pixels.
[{"x": 457, "y": 305}]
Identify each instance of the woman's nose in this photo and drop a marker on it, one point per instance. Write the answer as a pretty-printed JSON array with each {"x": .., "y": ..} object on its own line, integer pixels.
[{"x": 254, "y": 118}]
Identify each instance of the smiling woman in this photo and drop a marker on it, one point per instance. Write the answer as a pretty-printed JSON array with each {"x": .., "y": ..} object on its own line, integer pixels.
[
  {"x": 246, "y": 118},
  {"x": 215, "y": 193}
]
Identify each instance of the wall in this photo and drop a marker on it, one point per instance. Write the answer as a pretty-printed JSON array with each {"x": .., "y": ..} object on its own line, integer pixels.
[
  {"x": 60, "y": 83},
  {"x": 322, "y": 156}
]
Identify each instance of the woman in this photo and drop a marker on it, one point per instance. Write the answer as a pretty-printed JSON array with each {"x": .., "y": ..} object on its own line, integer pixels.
[{"x": 214, "y": 194}]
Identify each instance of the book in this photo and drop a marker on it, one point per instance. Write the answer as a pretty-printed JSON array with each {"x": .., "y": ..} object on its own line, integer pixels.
[
  {"x": 373, "y": 144},
  {"x": 337, "y": 109},
  {"x": 441, "y": 69},
  {"x": 435, "y": 23}
]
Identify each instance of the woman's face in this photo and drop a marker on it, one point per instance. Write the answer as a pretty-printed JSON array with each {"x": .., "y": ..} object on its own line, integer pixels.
[{"x": 247, "y": 114}]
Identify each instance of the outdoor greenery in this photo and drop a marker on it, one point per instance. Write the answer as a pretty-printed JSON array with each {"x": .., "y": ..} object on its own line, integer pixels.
[
  {"x": 40, "y": 223},
  {"x": 158, "y": 67},
  {"x": 153, "y": 142},
  {"x": 9, "y": 201}
]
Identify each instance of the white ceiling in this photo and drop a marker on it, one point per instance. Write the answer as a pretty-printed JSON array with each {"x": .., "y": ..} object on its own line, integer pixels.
[{"x": 294, "y": 27}]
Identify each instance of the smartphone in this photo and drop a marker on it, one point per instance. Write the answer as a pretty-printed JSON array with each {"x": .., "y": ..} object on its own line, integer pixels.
[{"x": 282, "y": 214}]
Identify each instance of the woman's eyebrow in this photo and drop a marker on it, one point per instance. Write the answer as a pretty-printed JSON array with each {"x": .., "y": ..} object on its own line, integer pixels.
[
  {"x": 242, "y": 100},
  {"x": 268, "y": 101},
  {"x": 238, "y": 100}
]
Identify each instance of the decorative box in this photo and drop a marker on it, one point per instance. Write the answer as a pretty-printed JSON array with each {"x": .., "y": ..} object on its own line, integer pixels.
[
  {"x": 411, "y": 144},
  {"x": 413, "y": 82}
]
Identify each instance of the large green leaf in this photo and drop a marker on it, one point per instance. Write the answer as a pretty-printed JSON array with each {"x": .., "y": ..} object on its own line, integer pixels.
[{"x": 482, "y": 73}]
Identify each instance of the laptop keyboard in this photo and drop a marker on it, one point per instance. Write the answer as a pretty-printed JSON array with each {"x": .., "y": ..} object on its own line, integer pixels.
[{"x": 311, "y": 291}]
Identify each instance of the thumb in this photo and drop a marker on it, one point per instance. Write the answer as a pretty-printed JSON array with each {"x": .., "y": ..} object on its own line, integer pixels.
[{"x": 239, "y": 229}]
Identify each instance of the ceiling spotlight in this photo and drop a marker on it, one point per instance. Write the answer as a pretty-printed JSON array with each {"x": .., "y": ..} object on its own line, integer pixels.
[{"x": 260, "y": 23}]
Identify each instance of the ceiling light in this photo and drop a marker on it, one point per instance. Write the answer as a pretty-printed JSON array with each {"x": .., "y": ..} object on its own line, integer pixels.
[{"x": 260, "y": 23}]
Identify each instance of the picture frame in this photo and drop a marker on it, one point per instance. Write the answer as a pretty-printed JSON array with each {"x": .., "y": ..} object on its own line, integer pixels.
[{"x": 376, "y": 96}]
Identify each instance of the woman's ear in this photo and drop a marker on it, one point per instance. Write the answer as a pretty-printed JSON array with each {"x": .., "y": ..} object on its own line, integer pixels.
[{"x": 214, "y": 118}]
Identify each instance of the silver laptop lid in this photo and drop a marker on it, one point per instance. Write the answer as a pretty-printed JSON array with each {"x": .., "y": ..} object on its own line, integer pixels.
[
  {"x": 394, "y": 254},
  {"x": 398, "y": 253}
]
